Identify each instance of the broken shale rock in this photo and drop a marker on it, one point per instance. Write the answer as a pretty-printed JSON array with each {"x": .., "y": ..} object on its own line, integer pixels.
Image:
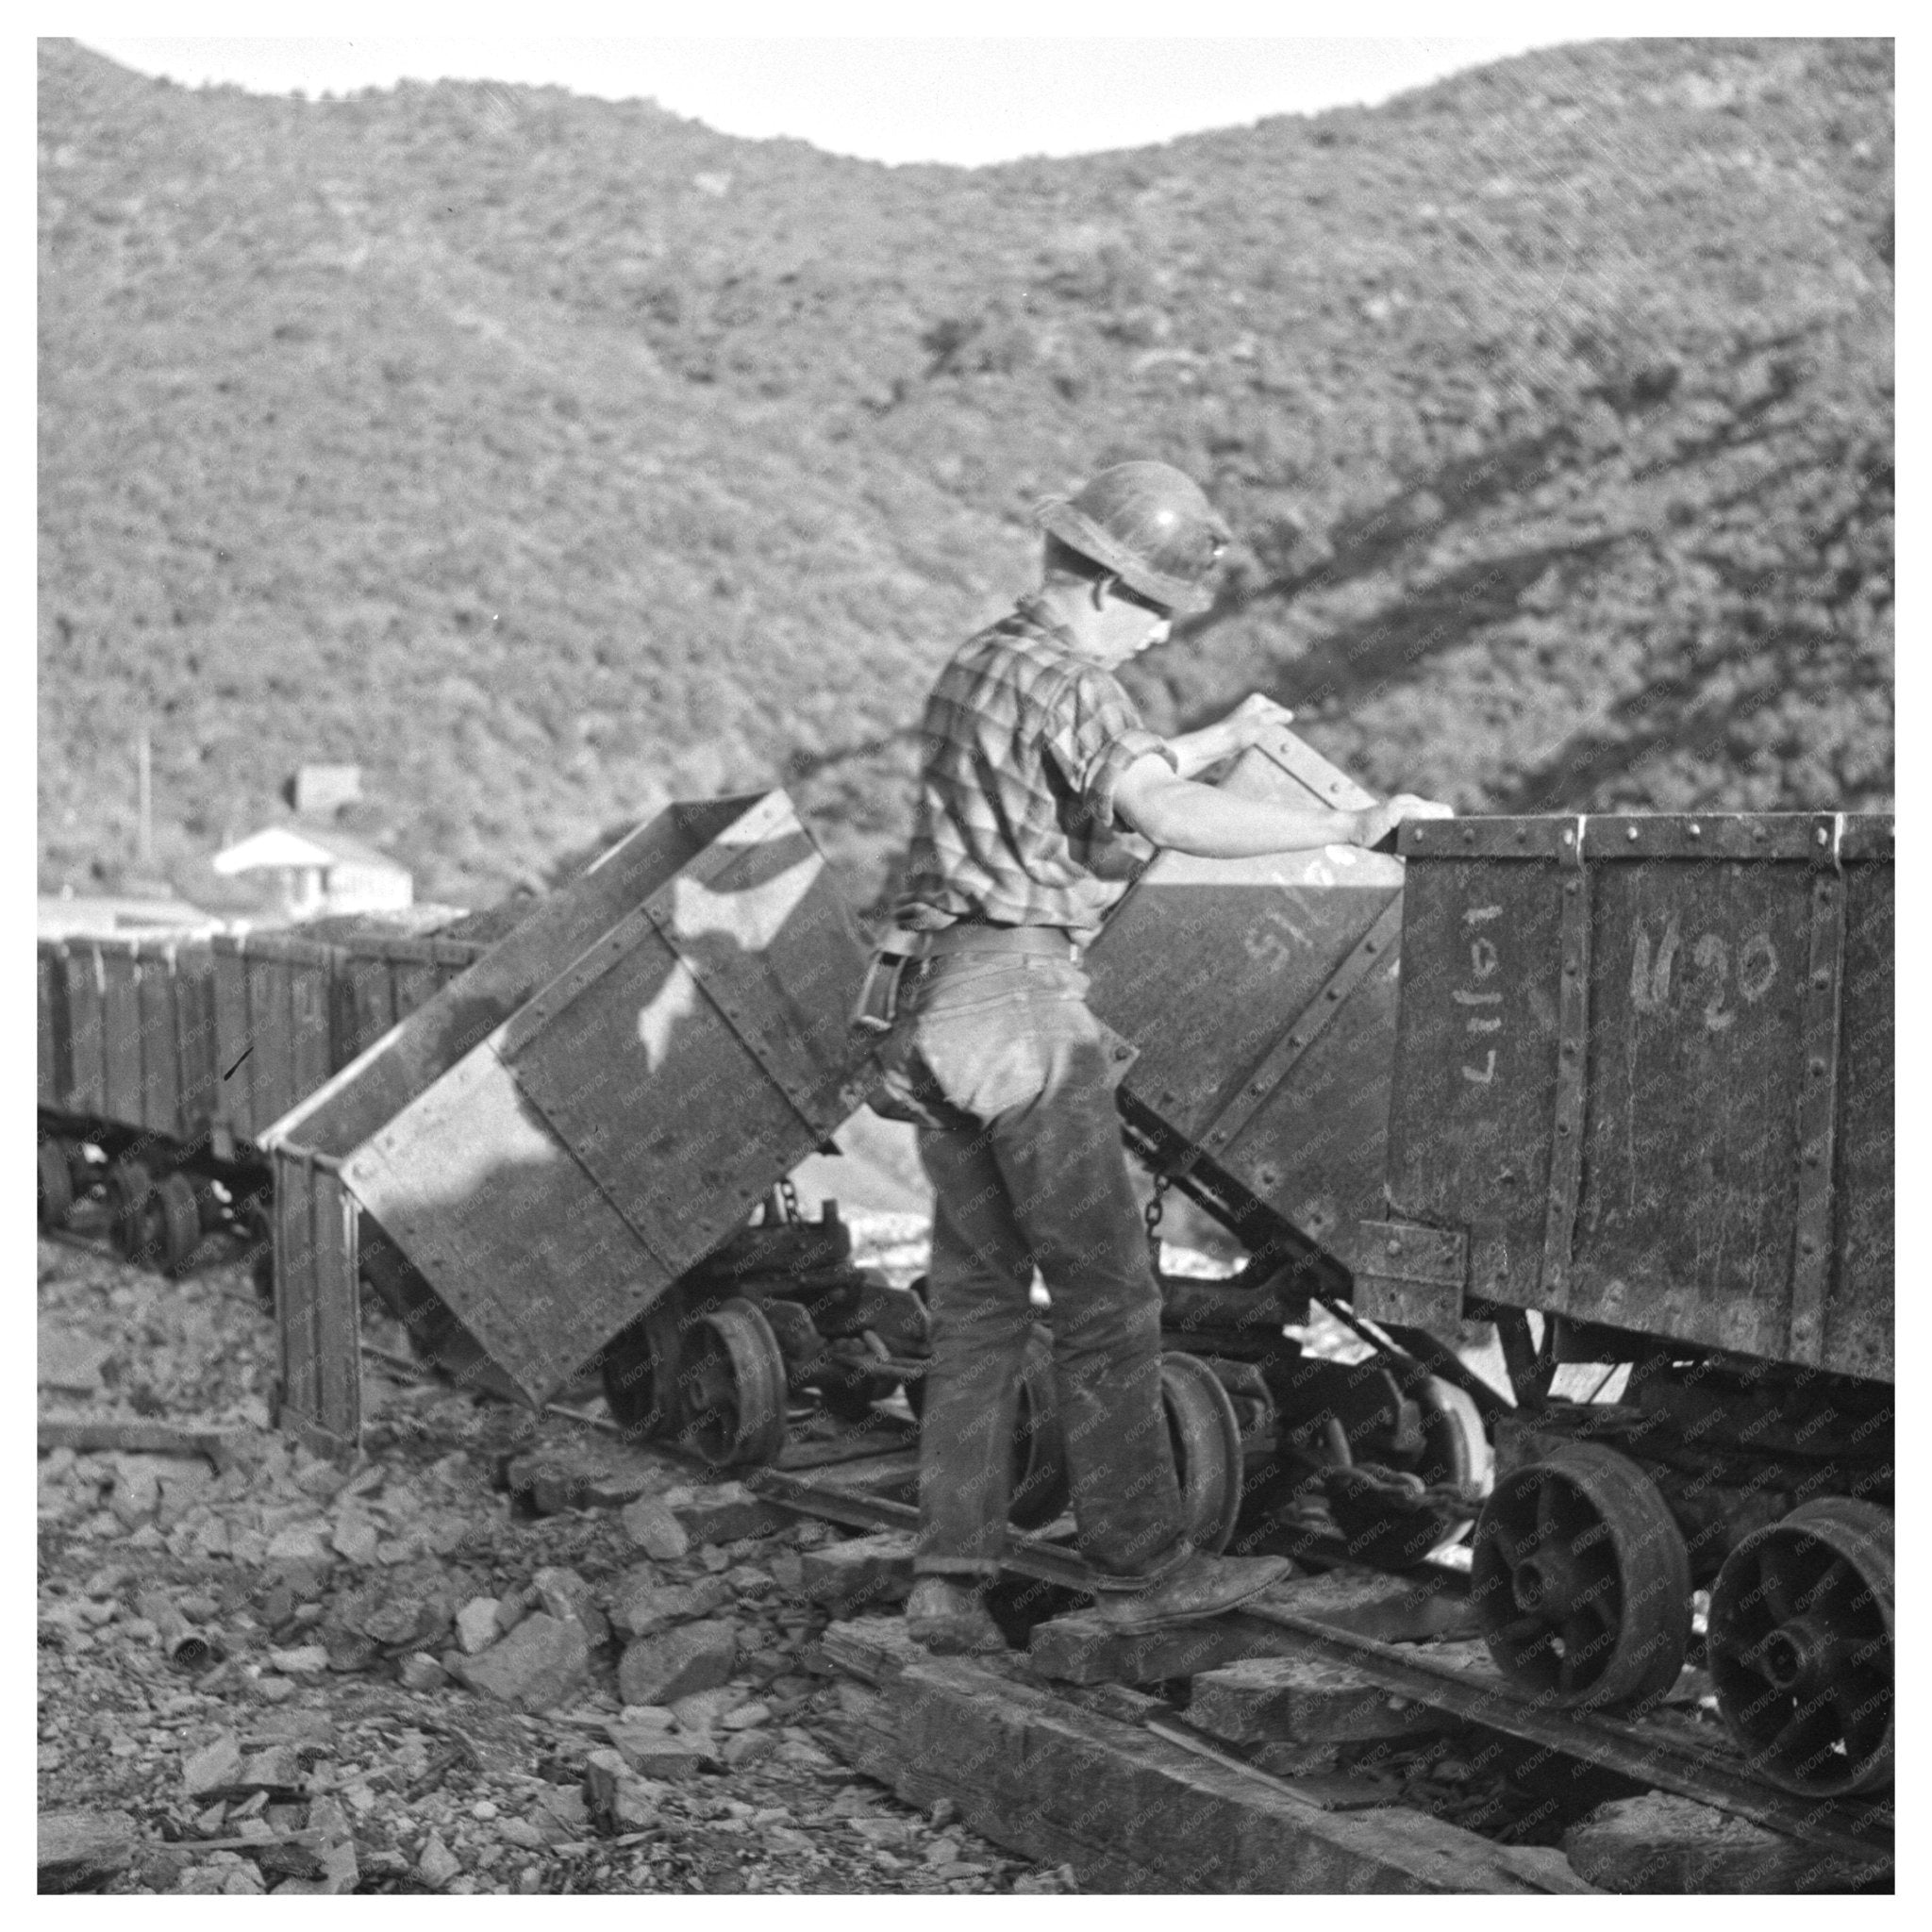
[
  {"x": 476, "y": 1627},
  {"x": 1661, "y": 1844},
  {"x": 642, "y": 1606},
  {"x": 1302, "y": 1700},
  {"x": 214, "y": 1767},
  {"x": 723, "y": 1513},
  {"x": 565, "y": 1595},
  {"x": 537, "y": 1667},
  {"x": 860, "y": 1574},
  {"x": 654, "y": 1530},
  {"x": 675, "y": 1664},
  {"x": 80, "y": 1849},
  {"x": 656, "y": 1753}
]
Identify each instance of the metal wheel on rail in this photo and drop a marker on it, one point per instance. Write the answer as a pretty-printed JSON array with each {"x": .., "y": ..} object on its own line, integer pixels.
[
  {"x": 256, "y": 1218},
  {"x": 56, "y": 1184},
  {"x": 1205, "y": 1437},
  {"x": 128, "y": 1187},
  {"x": 640, "y": 1373},
  {"x": 1800, "y": 1647},
  {"x": 1580, "y": 1580},
  {"x": 731, "y": 1384},
  {"x": 175, "y": 1205}
]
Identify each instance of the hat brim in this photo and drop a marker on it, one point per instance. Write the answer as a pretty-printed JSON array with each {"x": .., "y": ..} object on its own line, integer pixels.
[{"x": 1078, "y": 531}]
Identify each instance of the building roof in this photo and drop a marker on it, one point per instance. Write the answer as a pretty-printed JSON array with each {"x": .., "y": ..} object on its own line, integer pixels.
[
  {"x": 311, "y": 845},
  {"x": 100, "y": 916}
]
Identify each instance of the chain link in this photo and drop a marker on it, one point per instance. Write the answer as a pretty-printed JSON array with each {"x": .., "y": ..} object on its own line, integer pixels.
[
  {"x": 788, "y": 1194},
  {"x": 1156, "y": 1206}
]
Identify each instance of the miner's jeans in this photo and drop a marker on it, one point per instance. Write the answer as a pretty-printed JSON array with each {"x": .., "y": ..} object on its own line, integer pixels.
[{"x": 1013, "y": 1079}]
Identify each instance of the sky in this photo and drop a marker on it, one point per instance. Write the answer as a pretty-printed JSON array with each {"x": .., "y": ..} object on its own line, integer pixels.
[{"x": 967, "y": 101}]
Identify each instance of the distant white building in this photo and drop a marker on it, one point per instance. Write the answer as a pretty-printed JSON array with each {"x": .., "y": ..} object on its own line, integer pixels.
[
  {"x": 92, "y": 915},
  {"x": 320, "y": 871}
]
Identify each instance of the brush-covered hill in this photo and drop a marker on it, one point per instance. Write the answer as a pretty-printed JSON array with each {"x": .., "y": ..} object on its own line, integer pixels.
[{"x": 551, "y": 457}]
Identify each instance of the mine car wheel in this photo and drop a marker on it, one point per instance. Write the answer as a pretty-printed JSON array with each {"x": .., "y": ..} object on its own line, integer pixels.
[
  {"x": 178, "y": 1207},
  {"x": 1456, "y": 1446},
  {"x": 1040, "y": 1490},
  {"x": 128, "y": 1188},
  {"x": 1800, "y": 1645},
  {"x": 1580, "y": 1580},
  {"x": 1206, "y": 1440},
  {"x": 639, "y": 1370},
  {"x": 799, "y": 1342},
  {"x": 256, "y": 1218},
  {"x": 56, "y": 1184},
  {"x": 732, "y": 1384}
]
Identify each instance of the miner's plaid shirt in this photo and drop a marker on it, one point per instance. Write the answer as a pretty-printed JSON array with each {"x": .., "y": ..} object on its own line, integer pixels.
[{"x": 1023, "y": 742}]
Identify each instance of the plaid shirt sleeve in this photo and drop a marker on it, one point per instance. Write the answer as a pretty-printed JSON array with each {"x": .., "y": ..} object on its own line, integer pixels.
[{"x": 1093, "y": 734}]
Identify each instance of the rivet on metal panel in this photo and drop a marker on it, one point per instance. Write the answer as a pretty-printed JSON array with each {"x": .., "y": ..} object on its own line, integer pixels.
[
  {"x": 1368, "y": 945},
  {"x": 1562, "y": 1126},
  {"x": 1569, "y": 968},
  {"x": 1817, "y": 1069},
  {"x": 1812, "y": 1159},
  {"x": 1259, "y": 1087},
  {"x": 1569, "y": 1049},
  {"x": 1822, "y": 979},
  {"x": 1416, "y": 834},
  {"x": 1570, "y": 837},
  {"x": 1295, "y": 1039},
  {"x": 1760, "y": 833},
  {"x": 1569, "y": 887},
  {"x": 1808, "y": 1245},
  {"x": 1395, "y": 1247},
  {"x": 1334, "y": 993},
  {"x": 1523, "y": 835},
  {"x": 1631, "y": 835},
  {"x": 1696, "y": 830},
  {"x": 1821, "y": 836}
]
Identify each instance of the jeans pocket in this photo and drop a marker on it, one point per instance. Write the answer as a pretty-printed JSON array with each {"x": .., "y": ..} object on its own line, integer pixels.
[{"x": 984, "y": 1060}]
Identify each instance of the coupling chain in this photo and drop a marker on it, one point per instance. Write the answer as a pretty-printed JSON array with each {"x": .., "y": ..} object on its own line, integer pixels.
[{"x": 1155, "y": 1207}]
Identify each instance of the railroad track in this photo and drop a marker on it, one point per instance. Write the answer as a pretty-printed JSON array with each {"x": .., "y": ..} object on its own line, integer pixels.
[{"x": 1657, "y": 1751}]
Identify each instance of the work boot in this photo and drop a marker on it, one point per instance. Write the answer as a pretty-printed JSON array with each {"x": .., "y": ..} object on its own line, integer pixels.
[
  {"x": 1202, "y": 1587},
  {"x": 947, "y": 1616}
]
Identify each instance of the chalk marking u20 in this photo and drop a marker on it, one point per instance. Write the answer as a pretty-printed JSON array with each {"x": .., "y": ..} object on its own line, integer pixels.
[{"x": 1651, "y": 972}]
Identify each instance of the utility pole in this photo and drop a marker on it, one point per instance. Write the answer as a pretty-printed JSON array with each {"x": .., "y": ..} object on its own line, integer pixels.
[{"x": 144, "y": 767}]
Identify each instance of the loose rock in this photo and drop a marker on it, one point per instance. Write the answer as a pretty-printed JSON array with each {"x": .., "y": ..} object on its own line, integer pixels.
[
  {"x": 654, "y": 1530},
  {"x": 661, "y": 1669},
  {"x": 537, "y": 1667},
  {"x": 80, "y": 1849},
  {"x": 476, "y": 1628},
  {"x": 640, "y": 1605},
  {"x": 438, "y": 1864},
  {"x": 213, "y": 1767}
]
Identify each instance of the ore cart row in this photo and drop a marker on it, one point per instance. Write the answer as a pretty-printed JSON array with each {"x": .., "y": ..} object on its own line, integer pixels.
[{"x": 1618, "y": 1086}]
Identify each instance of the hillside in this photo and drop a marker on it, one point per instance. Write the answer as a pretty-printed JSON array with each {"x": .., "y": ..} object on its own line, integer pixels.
[{"x": 553, "y": 457}]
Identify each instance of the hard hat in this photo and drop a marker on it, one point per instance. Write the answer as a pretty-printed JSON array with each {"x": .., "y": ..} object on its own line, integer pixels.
[{"x": 1148, "y": 522}]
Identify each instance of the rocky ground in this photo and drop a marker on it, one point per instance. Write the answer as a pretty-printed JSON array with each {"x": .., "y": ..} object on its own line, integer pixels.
[{"x": 459, "y": 1666}]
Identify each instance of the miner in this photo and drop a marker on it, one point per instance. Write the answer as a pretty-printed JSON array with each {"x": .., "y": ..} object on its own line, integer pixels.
[{"x": 1041, "y": 793}]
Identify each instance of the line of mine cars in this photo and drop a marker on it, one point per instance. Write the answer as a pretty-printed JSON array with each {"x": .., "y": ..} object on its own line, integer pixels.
[{"x": 1620, "y": 1087}]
